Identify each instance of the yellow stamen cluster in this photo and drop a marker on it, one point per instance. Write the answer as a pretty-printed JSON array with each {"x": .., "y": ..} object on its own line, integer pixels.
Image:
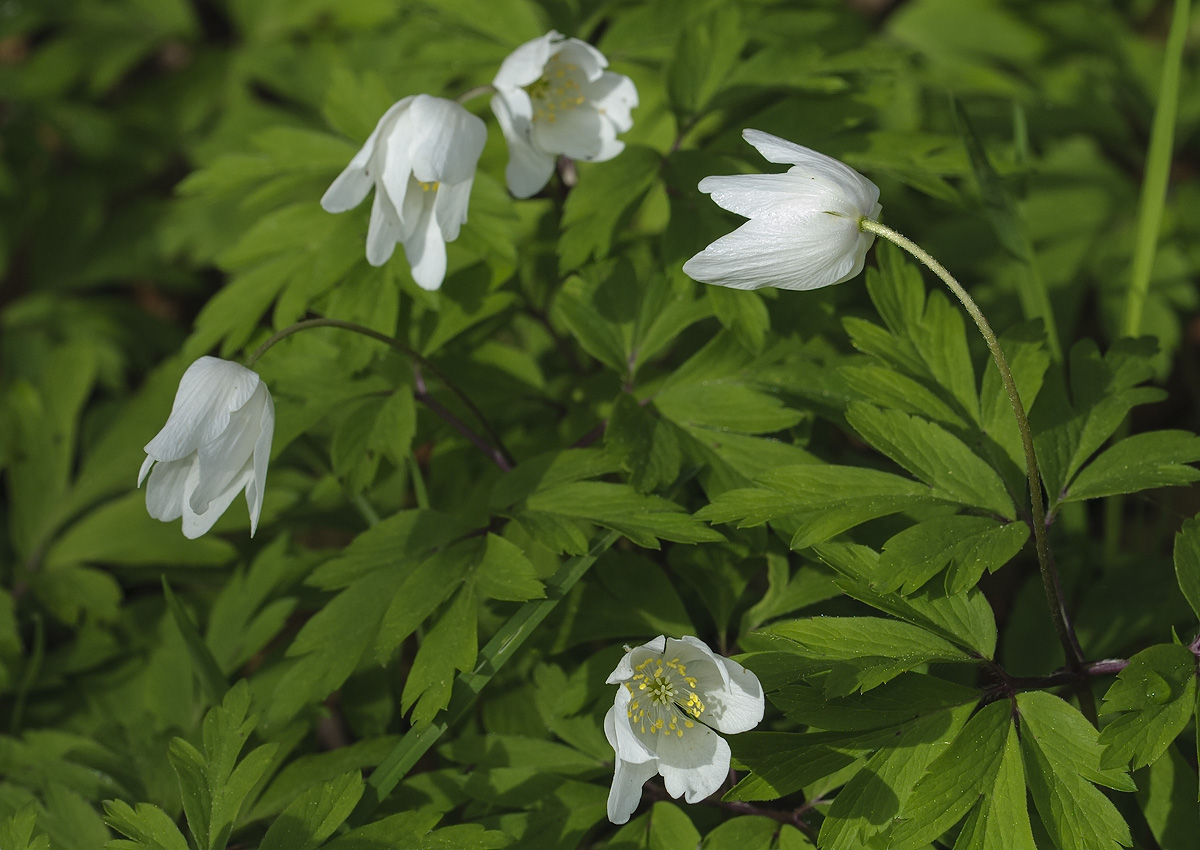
[
  {"x": 557, "y": 91},
  {"x": 672, "y": 697}
]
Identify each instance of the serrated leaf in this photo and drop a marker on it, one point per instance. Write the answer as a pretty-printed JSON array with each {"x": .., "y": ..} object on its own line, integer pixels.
[
  {"x": 1062, "y": 759},
  {"x": 942, "y": 341},
  {"x": 784, "y": 762},
  {"x": 604, "y": 198},
  {"x": 901, "y": 700},
  {"x": 885, "y": 786},
  {"x": 16, "y": 831},
  {"x": 956, "y": 779},
  {"x": 148, "y": 827},
  {"x": 503, "y": 572},
  {"x": 644, "y": 519},
  {"x": 934, "y": 455},
  {"x": 1157, "y": 692},
  {"x": 842, "y": 494},
  {"x": 314, "y": 815},
  {"x": 741, "y": 833},
  {"x": 1140, "y": 462},
  {"x": 968, "y": 545},
  {"x": 706, "y": 52},
  {"x": 1187, "y": 562},
  {"x": 648, "y": 448},
  {"x": 731, "y": 406},
  {"x": 1001, "y": 820},
  {"x": 450, "y": 646},
  {"x": 743, "y": 313},
  {"x": 886, "y": 387}
]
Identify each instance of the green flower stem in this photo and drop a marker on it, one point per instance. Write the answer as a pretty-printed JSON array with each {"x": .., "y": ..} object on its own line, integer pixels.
[
  {"x": 1050, "y": 583},
  {"x": 467, "y": 686},
  {"x": 495, "y": 450}
]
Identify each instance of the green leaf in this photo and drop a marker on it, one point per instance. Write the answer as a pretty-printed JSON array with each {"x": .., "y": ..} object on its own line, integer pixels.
[
  {"x": 671, "y": 829},
  {"x": 896, "y": 290},
  {"x": 741, "y": 833},
  {"x": 148, "y": 827},
  {"x": 934, "y": 455},
  {"x": 16, "y": 831},
  {"x": 1187, "y": 562},
  {"x": 1167, "y": 795},
  {"x": 1140, "y": 462},
  {"x": 314, "y": 815},
  {"x": 1001, "y": 820},
  {"x": 207, "y": 669},
  {"x": 602, "y": 202},
  {"x": 862, "y": 652},
  {"x": 503, "y": 572},
  {"x": 642, "y": 518},
  {"x": 833, "y": 499},
  {"x": 1062, "y": 760},
  {"x": 1157, "y": 692},
  {"x": 968, "y": 545},
  {"x": 706, "y": 52},
  {"x": 647, "y": 446},
  {"x": 450, "y": 646},
  {"x": 883, "y": 788},
  {"x": 956, "y": 779},
  {"x": 941, "y": 340},
  {"x": 884, "y": 386},
  {"x": 725, "y": 406},
  {"x": 1025, "y": 349},
  {"x": 784, "y": 762},
  {"x": 743, "y": 312},
  {"x": 891, "y": 704}
]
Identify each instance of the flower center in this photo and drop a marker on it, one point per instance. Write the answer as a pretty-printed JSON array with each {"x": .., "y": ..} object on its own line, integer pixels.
[
  {"x": 559, "y": 90},
  {"x": 663, "y": 697}
]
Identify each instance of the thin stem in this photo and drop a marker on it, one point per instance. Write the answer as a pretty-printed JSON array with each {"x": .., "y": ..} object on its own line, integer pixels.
[
  {"x": 471, "y": 94},
  {"x": 496, "y": 450},
  {"x": 1050, "y": 582}
]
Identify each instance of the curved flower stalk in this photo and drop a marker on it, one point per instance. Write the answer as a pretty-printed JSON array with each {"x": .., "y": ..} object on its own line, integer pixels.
[
  {"x": 803, "y": 231},
  {"x": 421, "y": 159},
  {"x": 674, "y": 696},
  {"x": 554, "y": 97},
  {"x": 216, "y": 444}
]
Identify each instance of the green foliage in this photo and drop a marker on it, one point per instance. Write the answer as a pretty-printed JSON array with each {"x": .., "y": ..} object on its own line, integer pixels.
[{"x": 572, "y": 446}]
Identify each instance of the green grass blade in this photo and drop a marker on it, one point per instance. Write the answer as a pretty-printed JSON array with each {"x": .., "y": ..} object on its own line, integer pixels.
[{"x": 1158, "y": 168}]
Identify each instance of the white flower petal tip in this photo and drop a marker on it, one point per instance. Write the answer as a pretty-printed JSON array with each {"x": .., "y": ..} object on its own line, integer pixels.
[
  {"x": 423, "y": 149},
  {"x": 673, "y": 697},
  {"x": 804, "y": 230},
  {"x": 553, "y": 97},
  {"x": 216, "y": 444}
]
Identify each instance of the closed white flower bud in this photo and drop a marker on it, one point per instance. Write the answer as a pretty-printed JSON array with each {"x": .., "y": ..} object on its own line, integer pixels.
[
  {"x": 216, "y": 444},
  {"x": 554, "y": 97},
  {"x": 674, "y": 696},
  {"x": 803, "y": 231},
  {"x": 421, "y": 159}
]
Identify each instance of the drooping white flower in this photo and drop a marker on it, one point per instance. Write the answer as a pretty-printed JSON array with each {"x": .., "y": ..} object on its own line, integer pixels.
[
  {"x": 673, "y": 694},
  {"x": 421, "y": 160},
  {"x": 554, "y": 97},
  {"x": 803, "y": 231},
  {"x": 216, "y": 443}
]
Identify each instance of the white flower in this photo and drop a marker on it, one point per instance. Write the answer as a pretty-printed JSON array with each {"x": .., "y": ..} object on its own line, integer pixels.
[
  {"x": 553, "y": 97},
  {"x": 673, "y": 694},
  {"x": 421, "y": 158},
  {"x": 216, "y": 443},
  {"x": 803, "y": 230}
]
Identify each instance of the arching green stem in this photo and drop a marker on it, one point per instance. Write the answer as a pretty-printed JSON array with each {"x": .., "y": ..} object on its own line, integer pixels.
[
  {"x": 494, "y": 450},
  {"x": 1050, "y": 581}
]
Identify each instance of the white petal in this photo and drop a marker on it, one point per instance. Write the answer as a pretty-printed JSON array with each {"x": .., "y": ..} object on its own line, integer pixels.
[
  {"x": 864, "y": 193},
  {"x": 262, "y": 457},
  {"x": 426, "y": 251},
  {"x": 209, "y": 391},
  {"x": 739, "y": 708},
  {"x": 752, "y": 195},
  {"x": 146, "y": 464},
  {"x": 626, "y": 791},
  {"x": 526, "y": 64},
  {"x": 621, "y": 737},
  {"x": 529, "y": 169},
  {"x": 166, "y": 487},
  {"x": 196, "y": 524},
  {"x": 588, "y": 59},
  {"x": 395, "y": 177},
  {"x": 613, "y": 96},
  {"x": 785, "y": 251},
  {"x": 350, "y": 187},
  {"x": 225, "y": 458},
  {"x": 575, "y": 133},
  {"x": 445, "y": 141},
  {"x": 695, "y": 764},
  {"x": 624, "y": 669},
  {"x": 383, "y": 232},
  {"x": 450, "y": 207}
]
